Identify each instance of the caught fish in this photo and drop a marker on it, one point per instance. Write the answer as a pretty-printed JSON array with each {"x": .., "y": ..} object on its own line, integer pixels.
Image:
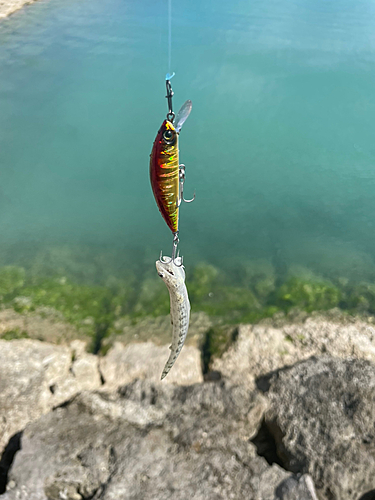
[
  {"x": 173, "y": 275},
  {"x": 165, "y": 168}
]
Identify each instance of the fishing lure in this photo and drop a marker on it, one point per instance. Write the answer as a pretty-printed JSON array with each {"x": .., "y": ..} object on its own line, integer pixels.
[
  {"x": 173, "y": 275},
  {"x": 167, "y": 175}
]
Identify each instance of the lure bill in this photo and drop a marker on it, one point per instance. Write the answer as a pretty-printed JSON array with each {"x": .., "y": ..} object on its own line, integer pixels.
[
  {"x": 164, "y": 167},
  {"x": 173, "y": 275}
]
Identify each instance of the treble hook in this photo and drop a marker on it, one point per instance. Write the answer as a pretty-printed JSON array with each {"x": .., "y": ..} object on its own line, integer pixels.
[
  {"x": 170, "y": 93},
  {"x": 182, "y": 176},
  {"x": 174, "y": 258}
]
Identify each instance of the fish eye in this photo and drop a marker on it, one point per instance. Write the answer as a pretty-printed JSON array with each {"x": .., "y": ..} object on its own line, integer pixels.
[
  {"x": 161, "y": 275},
  {"x": 169, "y": 137}
]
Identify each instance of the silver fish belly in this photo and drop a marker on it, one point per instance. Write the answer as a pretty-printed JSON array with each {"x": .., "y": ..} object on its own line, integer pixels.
[{"x": 174, "y": 277}]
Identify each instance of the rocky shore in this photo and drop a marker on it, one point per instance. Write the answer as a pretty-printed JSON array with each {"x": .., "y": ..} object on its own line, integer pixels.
[
  {"x": 287, "y": 412},
  {"x": 7, "y": 7}
]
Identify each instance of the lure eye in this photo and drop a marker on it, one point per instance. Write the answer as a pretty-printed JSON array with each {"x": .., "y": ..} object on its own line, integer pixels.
[
  {"x": 169, "y": 137},
  {"x": 161, "y": 275}
]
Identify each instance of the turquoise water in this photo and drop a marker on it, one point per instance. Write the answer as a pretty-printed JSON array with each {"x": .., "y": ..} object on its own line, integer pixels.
[{"x": 279, "y": 146}]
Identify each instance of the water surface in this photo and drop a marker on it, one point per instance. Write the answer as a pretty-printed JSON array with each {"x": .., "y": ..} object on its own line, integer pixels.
[{"x": 279, "y": 146}]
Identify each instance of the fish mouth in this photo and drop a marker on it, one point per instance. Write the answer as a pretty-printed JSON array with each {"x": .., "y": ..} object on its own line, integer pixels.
[
  {"x": 166, "y": 270},
  {"x": 160, "y": 268}
]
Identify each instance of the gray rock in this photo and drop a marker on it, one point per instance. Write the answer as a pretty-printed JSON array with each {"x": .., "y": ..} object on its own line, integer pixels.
[
  {"x": 161, "y": 440},
  {"x": 322, "y": 418},
  {"x": 147, "y": 442},
  {"x": 122, "y": 364},
  {"x": 296, "y": 488},
  {"x": 36, "y": 376},
  {"x": 261, "y": 348}
]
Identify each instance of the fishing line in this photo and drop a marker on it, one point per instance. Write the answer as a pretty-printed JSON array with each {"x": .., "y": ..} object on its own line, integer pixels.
[
  {"x": 169, "y": 75},
  {"x": 167, "y": 177}
]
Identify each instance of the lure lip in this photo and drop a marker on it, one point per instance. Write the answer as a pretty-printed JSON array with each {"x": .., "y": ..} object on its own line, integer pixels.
[{"x": 183, "y": 115}]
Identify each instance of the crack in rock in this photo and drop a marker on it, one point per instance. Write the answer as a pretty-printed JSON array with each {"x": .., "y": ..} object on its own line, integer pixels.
[
  {"x": 13, "y": 446},
  {"x": 370, "y": 495},
  {"x": 266, "y": 446}
]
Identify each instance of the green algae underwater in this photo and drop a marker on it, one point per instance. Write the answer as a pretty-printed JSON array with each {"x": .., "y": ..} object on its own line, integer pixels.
[
  {"x": 101, "y": 301},
  {"x": 279, "y": 148}
]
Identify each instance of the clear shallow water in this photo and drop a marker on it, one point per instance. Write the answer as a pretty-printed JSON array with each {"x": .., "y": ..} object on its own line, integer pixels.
[{"x": 279, "y": 146}]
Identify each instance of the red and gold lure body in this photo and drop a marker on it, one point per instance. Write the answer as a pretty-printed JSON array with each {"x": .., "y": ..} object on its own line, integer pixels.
[{"x": 164, "y": 173}]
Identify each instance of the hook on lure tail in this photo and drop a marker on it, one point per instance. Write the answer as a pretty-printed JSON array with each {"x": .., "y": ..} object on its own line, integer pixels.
[
  {"x": 176, "y": 259},
  {"x": 167, "y": 175}
]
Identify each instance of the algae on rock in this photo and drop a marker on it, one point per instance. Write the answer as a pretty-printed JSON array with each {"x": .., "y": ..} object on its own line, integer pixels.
[
  {"x": 308, "y": 295},
  {"x": 11, "y": 279}
]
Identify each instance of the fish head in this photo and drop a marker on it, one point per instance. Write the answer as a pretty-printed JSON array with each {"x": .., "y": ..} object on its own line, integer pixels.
[{"x": 173, "y": 275}]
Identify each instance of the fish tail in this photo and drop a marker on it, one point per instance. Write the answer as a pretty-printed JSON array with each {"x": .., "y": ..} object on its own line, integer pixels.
[
  {"x": 168, "y": 365},
  {"x": 166, "y": 370}
]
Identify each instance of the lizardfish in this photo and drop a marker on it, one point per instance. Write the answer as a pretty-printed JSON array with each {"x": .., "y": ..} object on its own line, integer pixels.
[{"x": 174, "y": 277}]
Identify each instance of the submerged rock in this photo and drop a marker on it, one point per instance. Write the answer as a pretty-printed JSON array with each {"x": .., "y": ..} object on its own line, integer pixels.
[
  {"x": 308, "y": 295},
  {"x": 11, "y": 278},
  {"x": 362, "y": 298}
]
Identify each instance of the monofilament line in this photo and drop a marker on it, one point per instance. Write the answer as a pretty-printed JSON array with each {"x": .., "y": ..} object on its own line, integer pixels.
[{"x": 169, "y": 74}]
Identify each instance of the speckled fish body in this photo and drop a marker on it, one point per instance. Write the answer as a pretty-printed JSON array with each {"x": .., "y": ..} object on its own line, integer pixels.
[
  {"x": 174, "y": 277},
  {"x": 164, "y": 173}
]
